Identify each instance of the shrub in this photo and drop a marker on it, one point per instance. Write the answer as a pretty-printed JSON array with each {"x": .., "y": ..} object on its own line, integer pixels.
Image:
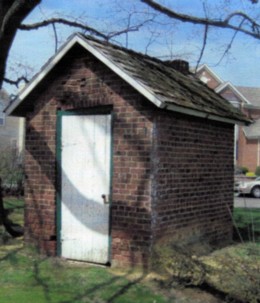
[
  {"x": 232, "y": 271},
  {"x": 12, "y": 171},
  {"x": 250, "y": 174},
  {"x": 241, "y": 170},
  {"x": 257, "y": 171}
]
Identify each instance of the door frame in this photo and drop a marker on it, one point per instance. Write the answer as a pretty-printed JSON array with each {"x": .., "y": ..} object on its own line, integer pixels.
[{"x": 100, "y": 110}]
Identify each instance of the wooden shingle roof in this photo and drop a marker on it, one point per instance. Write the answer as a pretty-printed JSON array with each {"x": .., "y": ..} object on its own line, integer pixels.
[{"x": 157, "y": 80}]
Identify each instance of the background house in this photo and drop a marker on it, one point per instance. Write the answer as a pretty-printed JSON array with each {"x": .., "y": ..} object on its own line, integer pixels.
[
  {"x": 11, "y": 128},
  {"x": 124, "y": 152},
  {"x": 247, "y": 99}
]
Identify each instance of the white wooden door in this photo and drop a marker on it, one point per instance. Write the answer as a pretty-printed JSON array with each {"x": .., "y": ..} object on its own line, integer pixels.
[{"x": 85, "y": 187}]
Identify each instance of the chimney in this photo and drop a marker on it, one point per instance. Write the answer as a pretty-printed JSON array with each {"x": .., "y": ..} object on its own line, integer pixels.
[{"x": 179, "y": 65}]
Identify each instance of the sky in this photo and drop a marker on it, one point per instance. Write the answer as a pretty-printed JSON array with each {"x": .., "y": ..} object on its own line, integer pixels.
[{"x": 163, "y": 38}]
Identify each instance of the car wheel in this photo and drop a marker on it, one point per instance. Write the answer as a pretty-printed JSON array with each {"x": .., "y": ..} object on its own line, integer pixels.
[{"x": 256, "y": 192}]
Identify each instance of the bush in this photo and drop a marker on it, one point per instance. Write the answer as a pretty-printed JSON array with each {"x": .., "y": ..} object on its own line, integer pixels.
[
  {"x": 257, "y": 171},
  {"x": 250, "y": 174},
  {"x": 232, "y": 271},
  {"x": 11, "y": 171},
  {"x": 241, "y": 170}
]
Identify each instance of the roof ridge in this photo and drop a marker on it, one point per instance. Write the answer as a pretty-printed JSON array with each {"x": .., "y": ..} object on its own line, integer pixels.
[{"x": 128, "y": 50}]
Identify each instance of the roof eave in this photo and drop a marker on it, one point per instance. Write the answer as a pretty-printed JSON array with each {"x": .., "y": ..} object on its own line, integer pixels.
[
  {"x": 251, "y": 137},
  {"x": 251, "y": 106},
  {"x": 40, "y": 76},
  {"x": 200, "y": 114}
]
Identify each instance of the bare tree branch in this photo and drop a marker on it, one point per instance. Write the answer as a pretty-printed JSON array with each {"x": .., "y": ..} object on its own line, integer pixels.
[
  {"x": 205, "y": 37},
  {"x": 203, "y": 46},
  {"x": 91, "y": 30},
  {"x": 229, "y": 45},
  {"x": 17, "y": 81},
  {"x": 255, "y": 27},
  {"x": 55, "y": 37},
  {"x": 12, "y": 13},
  {"x": 133, "y": 28}
]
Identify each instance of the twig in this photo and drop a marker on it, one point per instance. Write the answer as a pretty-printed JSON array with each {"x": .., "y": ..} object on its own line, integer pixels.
[
  {"x": 255, "y": 27},
  {"x": 17, "y": 81},
  {"x": 55, "y": 37},
  {"x": 203, "y": 46},
  {"x": 230, "y": 44},
  {"x": 28, "y": 27}
]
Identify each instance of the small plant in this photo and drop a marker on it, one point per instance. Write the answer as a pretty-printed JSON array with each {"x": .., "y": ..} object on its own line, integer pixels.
[{"x": 250, "y": 174}]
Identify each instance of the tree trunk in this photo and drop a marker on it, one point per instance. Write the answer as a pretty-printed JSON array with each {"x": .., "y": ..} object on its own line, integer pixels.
[{"x": 12, "y": 13}]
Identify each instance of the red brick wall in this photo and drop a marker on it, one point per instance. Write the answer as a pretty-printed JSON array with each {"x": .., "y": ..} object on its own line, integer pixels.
[
  {"x": 193, "y": 179},
  {"x": 247, "y": 152},
  {"x": 83, "y": 84},
  {"x": 40, "y": 173},
  {"x": 248, "y": 148},
  {"x": 211, "y": 82},
  {"x": 179, "y": 166}
]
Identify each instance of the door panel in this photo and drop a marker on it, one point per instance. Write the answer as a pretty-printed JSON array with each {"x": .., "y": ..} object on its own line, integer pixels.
[{"x": 85, "y": 178}]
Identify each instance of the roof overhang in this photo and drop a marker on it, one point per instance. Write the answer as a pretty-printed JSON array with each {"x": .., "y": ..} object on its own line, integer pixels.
[
  {"x": 200, "y": 114},
  {"x": 251, "y": 106},
  {"x": 251, "y": 137}
]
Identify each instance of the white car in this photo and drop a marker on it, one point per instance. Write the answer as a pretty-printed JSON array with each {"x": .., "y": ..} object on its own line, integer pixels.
[{"x": 250, "y": 187}]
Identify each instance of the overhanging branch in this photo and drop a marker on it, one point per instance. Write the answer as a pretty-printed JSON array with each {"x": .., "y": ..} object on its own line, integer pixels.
[
  {"x": 17, "y": 81},
  {"x": 52, "y": 21},
  {"x": 11, "y": 16},
  {"x": 255, "y": 27}
]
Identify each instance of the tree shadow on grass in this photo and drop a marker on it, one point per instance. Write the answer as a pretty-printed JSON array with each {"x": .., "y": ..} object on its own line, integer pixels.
[
  {"x": 94, "y": 293},
  {"x": 120, "y": 291},
  {"x": 10, "y": 256}
]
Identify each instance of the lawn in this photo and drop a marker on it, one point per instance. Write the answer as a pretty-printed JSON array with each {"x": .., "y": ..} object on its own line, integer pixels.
[
  {"x": 15, "y": 208},
  {"x": 247, "y": 223},
  {"x": 26, "y": 277}
]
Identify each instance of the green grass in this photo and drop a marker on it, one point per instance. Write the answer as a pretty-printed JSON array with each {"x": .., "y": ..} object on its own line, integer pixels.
[
  {"x": 13, "y": 203},
  {"x": 248, "y": 223},
  {"x": 26, "y": 277},
  {"x": 15, "y": 208}
]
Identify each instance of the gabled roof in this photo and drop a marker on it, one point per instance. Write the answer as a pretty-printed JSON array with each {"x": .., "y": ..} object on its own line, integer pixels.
[
  {"x": 252, "y": 94},
  {"x": 230, "y": 86},
  {"x": 154, "y": 79},
  {"x": 205, "y": 68}
]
